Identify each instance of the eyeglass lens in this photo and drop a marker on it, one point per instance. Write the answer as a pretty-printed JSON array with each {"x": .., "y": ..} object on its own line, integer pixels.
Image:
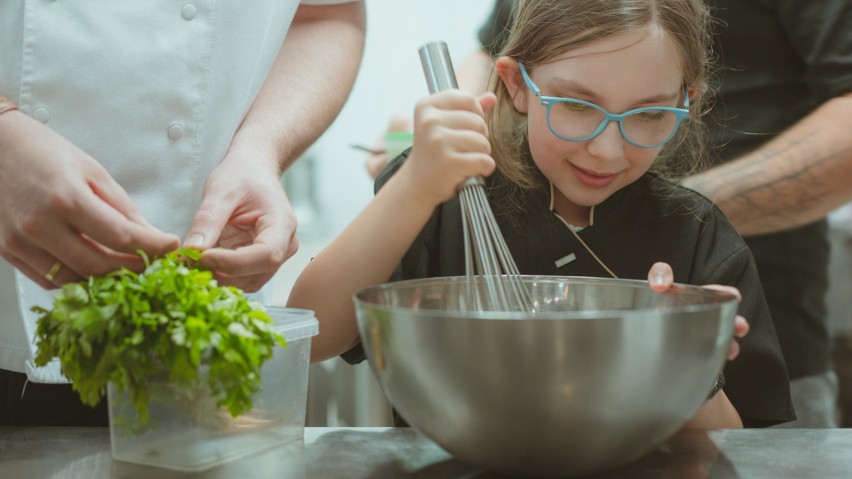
[{"x": 576, "y": 121}]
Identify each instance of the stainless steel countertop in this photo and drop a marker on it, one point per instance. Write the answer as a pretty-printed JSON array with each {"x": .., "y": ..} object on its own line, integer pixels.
[{"x": 378, "y": 453}]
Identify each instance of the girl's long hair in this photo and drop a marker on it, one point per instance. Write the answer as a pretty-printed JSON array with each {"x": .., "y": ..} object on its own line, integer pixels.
[{"x": 545, "y": 29}]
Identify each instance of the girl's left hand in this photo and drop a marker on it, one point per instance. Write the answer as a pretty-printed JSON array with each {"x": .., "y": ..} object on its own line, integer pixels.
[{"x": 661, "y": 278}]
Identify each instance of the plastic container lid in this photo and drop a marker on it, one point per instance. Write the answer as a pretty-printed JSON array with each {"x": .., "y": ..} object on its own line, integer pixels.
[{"x": 293, "y": 323}]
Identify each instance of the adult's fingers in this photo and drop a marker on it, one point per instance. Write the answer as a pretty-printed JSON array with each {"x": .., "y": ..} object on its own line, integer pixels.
[
  {"x": 208, "y": 222},
  {"x": 247, "y": 268},
  {"x": 258, "y": 258},
  {"x": 105, "y": 187},
  {"x": 78, "y": 255},
  {"x": 31, "y": 273},
  {"x": 106, "y": 225}
]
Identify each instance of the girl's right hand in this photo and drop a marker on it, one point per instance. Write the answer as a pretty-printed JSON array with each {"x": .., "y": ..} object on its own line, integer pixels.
[{"x": 450, "y": 144}]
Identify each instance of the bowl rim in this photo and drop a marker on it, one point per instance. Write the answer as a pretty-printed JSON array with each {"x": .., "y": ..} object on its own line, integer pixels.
[{"x": 715, "y": 299}]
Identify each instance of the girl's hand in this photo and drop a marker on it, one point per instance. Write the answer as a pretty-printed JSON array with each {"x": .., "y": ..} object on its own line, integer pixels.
[
  {"x": 661, "y": 278},
  {"x": 450, "y": 144}
]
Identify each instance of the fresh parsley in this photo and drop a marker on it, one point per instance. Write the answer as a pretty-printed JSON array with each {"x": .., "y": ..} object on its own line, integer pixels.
[{"x": 171, "y": 321}]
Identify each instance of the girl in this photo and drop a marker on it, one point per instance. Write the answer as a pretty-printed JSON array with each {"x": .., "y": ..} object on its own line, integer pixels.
[{"x": 596, "y": 105}]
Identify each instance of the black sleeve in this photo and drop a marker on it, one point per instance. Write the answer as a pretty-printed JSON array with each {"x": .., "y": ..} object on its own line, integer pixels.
[
  {"x": 493, "y": 33},
  {"x": 756, "y": 381},
  {"x": 821, "y": 33}
]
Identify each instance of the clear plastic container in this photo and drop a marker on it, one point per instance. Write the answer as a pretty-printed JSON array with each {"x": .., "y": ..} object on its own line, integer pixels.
[{"x": 198, "y": 435}]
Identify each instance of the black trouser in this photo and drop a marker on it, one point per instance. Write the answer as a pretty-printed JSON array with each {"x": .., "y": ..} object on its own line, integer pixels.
[{"x": 24, "y": 403}]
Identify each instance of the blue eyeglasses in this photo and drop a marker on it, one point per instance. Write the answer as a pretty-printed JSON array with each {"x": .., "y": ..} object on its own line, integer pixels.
[{"x": 577, "y": 120}]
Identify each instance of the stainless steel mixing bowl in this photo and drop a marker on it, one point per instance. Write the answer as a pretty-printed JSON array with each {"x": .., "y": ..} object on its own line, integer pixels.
[{"x": 603, "y": 373}]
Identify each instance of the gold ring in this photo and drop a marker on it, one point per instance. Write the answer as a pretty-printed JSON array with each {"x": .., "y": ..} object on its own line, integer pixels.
[{"x": 54, "y": 270}]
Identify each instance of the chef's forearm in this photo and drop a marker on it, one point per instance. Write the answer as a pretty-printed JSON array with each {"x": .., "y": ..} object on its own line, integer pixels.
[
  {"x": 309, "y": 82},
  {"x": 796, "y": 178}
]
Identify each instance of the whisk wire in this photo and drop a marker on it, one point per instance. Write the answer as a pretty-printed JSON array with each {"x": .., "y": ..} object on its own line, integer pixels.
[
  {"x": 486, "y": 253},
  {"x": 491, "y": 257},
  {"x": 473, "y": 298}
]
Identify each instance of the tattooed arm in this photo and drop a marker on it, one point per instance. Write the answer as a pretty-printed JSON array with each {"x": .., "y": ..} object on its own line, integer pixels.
[{"x": 795, "y": 179}]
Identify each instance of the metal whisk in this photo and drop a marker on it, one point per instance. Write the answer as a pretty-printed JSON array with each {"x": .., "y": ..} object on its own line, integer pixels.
[{"x": 486, "y": 253}]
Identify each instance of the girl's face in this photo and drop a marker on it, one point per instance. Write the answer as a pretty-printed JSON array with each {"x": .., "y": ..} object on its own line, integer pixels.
[{"x": 619, "y": 73}]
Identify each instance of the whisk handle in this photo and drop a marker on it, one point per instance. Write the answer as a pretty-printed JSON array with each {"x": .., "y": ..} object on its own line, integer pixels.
[
  {"x": 438, "y": 67},
  {"x": 440, "y": 76}
]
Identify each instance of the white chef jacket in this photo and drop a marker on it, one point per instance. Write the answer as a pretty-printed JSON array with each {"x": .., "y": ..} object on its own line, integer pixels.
[{"x": 152, "y": 90}]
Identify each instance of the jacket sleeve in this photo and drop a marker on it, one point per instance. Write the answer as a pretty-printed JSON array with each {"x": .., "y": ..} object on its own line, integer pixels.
[{"x": 756, "y": 381}]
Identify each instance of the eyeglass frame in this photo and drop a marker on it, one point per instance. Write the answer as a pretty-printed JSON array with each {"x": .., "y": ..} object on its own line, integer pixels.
[{"x": 548, "y": 102}]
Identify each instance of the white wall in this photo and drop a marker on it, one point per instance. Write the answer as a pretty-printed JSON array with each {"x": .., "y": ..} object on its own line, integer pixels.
[{"x": 391, "y": 80}]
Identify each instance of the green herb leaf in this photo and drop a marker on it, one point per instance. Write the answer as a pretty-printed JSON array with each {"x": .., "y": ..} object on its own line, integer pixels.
[{"x": 173, "y": 319}]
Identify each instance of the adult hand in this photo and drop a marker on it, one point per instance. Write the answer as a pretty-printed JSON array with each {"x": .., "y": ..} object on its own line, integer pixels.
[
  {"x": 450, "y": 144},
  {"x": 245, "y": 223},
  {"x": 661, "y": 278},
  {"x": 63, "y": 217}
]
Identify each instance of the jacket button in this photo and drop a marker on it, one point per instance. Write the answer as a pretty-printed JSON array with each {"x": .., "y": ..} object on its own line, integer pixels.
[
  {"x": 188, "y": 11},
  {"x": 41, "y": 114},
  {"x": 175, "y": 132}
]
